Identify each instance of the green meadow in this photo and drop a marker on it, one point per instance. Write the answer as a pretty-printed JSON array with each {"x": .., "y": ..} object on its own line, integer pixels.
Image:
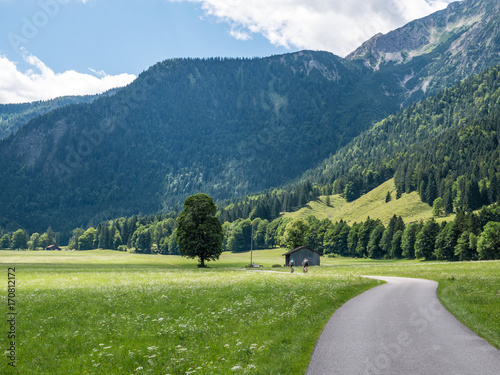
[{"x": 107, "y": 312}]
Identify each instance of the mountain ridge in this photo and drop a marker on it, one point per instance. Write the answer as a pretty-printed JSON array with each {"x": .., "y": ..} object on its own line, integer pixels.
[{"x": 13, "y": 116}]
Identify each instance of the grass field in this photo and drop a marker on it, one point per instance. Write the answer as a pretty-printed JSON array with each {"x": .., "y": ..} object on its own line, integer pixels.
[{"x": 105, "y": 312}]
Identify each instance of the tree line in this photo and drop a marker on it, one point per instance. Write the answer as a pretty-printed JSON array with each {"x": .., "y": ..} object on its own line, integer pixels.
[{"x": 471, "y": 236}]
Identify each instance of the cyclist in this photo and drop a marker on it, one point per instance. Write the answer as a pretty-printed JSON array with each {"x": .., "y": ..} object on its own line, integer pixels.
[
  {"x": 305, "y": 264},
  {"x": 292, "y": 264}
]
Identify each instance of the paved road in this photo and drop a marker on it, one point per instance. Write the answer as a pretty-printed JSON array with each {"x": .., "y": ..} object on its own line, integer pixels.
[{"x": 400, "y": 328}]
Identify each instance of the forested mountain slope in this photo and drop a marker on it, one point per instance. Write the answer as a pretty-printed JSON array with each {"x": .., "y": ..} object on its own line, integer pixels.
[
  {"x": 13, "y": 116},
  {"x": 446, "y": 146},
  {"x": 227, "y": 127}
]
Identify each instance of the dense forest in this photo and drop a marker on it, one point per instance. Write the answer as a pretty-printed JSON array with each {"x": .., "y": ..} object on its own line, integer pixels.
[{"x": 445, "y": 147}]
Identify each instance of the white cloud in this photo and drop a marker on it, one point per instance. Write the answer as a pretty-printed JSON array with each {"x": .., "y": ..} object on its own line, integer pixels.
[
  {"x": 41, "y": 83},
  {"x": 338, "y": 26}
]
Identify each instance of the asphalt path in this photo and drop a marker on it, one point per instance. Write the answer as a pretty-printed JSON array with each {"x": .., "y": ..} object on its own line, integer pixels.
[{"x": 400, "y": 328}]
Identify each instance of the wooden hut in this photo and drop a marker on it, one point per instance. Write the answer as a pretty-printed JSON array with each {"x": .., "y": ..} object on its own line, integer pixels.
[
  {"x": 300, "y": 253},
  {"x": 53, "y": 248}
]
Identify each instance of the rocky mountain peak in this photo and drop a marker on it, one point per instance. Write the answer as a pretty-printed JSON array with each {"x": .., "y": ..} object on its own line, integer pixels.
[
  {"x": 421, "y": 36},
  {"x": 466, "y": 33}
]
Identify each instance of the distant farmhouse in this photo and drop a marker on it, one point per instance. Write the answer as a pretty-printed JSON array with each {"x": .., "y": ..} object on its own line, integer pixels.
[
  {"x": 53, "y": 248},
  {"x": 300, "y": 253}
]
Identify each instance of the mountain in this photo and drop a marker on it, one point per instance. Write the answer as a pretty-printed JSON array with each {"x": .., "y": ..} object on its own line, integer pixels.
[
  {"x": 13, "y": 116},
  {"x": 230, "y": 127},
  {"x": 227, "y": 127},
  {"x": 437, "y": 51},
  {"x": 447, "y": 147}
]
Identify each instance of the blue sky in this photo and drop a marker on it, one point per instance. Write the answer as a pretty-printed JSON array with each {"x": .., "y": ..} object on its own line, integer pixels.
[{"x": 50, "y": 48}]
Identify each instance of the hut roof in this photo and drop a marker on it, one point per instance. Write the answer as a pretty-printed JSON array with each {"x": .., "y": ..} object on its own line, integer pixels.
[{"x": 302, "y": 248}]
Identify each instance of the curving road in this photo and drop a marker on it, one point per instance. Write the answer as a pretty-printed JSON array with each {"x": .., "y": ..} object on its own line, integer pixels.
[{"x": 400, "y": 328}]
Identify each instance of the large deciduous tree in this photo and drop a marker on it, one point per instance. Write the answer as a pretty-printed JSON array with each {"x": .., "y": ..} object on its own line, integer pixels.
[{"x": 199, "y": 231}]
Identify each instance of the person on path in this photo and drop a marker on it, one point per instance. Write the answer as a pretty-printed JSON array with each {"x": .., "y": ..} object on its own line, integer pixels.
[{"x": 292, "y": 264}]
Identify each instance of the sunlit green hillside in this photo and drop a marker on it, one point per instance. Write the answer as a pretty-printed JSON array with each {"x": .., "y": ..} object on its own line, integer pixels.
[{"x": 373, "y": 205}]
